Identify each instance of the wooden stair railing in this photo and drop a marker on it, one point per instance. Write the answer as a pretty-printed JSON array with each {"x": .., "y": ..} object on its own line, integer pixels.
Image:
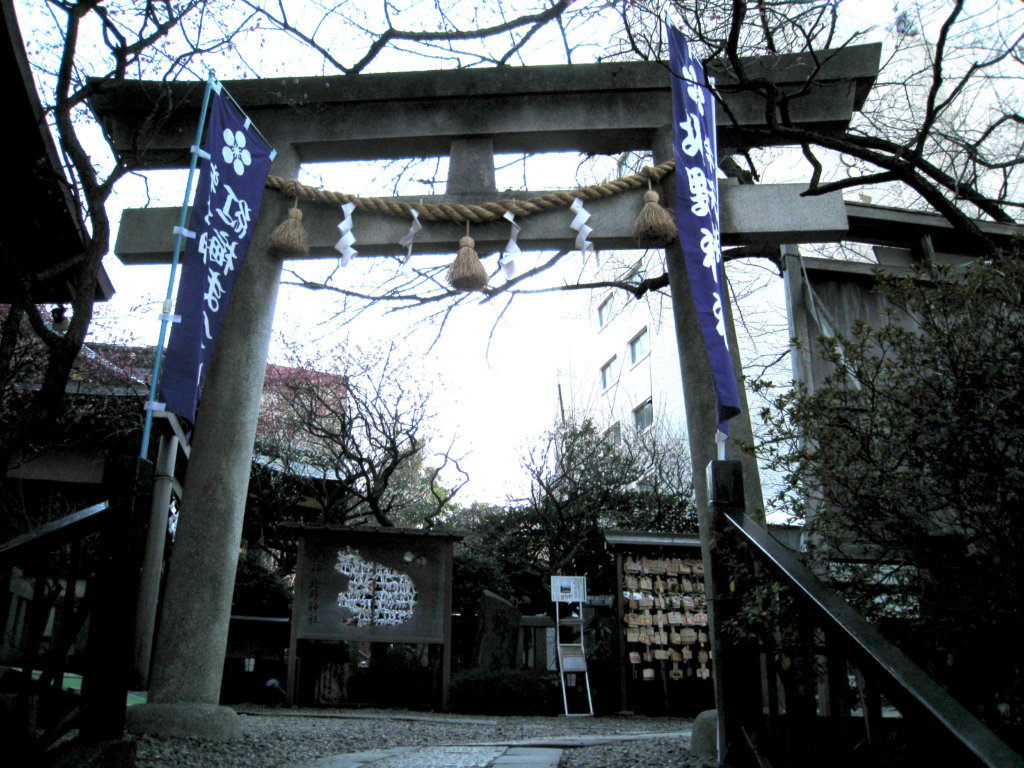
[
  {"x": 823, "y": 705},
  {"x": 83, "y": 571}
]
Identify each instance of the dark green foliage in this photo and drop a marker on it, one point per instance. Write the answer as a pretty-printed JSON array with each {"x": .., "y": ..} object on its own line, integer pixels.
[
  {"x": 506, "y": 692},
  {"x": 909, "y": 459},
  {"x": 471, "y": 574},
  {"x": 582, "y": 484},
  {"x": 259, "y": 589}
]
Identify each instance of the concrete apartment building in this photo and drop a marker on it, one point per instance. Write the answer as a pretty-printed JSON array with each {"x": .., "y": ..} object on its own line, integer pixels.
[{"x": 623, "y": 368}]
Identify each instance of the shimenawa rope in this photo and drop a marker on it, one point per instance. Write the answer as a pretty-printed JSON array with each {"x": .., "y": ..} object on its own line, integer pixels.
[{"x": 475, "y": 213}]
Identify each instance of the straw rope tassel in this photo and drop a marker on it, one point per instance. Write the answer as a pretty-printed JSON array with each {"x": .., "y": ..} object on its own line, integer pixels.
[
  {"x": 654, "y": 227},
  {"x": 467, "y": 273},
  {"x": 289, "y": 239}
]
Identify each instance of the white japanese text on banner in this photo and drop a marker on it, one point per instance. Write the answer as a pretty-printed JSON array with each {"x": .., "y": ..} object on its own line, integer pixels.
[
  {"x": 696, "y": 152},
  {"x": 227, "y": 203}
]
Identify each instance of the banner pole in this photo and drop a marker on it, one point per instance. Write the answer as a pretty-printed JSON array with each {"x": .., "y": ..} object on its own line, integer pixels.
[{"x": 165, "y": 316}]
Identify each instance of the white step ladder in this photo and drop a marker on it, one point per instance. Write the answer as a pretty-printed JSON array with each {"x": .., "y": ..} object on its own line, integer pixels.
[{"x": 572, "y": 660}]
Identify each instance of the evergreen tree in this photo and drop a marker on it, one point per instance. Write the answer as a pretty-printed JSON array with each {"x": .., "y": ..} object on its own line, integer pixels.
[{"x": 907, "y": 465}]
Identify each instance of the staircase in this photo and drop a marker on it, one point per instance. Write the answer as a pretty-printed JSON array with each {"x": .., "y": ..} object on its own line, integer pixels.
[
  {"x": 76, "y": 624},
  {"x": 805, "y": 680}
]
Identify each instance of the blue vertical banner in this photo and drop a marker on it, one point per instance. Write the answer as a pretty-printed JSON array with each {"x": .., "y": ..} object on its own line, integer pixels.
[
  {"x": 696, "y": 151},
  {"x": 233, "y": 170}
]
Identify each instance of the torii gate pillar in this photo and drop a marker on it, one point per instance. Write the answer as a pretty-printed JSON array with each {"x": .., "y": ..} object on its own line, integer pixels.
[{"x": 192, "y": 641}]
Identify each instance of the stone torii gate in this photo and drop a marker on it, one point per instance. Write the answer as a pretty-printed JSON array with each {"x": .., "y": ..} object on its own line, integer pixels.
[{"x": 467, "y": 115}]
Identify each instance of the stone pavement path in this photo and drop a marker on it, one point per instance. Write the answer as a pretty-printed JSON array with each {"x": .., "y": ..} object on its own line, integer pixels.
[
  {"x": 445, "y": 757},
  {"x": 544, "y": 753}
]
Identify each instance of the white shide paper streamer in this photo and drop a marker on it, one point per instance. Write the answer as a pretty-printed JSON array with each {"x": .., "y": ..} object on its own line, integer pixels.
[
  {"x": 579, "y": 223},
  {"x": 344, "y": 245},
  {"x": 407, "y": 241},
  {"x": 507, "y": 261}
]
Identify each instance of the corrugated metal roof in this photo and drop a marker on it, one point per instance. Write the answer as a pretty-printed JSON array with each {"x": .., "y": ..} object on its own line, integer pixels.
[{"x": 642, "y": 539}]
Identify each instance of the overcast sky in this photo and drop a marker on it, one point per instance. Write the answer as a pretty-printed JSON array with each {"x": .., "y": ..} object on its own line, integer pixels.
[{"x": 494, "y": 386}]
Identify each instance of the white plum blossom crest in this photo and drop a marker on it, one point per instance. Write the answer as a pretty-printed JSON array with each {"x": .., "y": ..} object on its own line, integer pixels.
[{"x": 234, "y": 151}]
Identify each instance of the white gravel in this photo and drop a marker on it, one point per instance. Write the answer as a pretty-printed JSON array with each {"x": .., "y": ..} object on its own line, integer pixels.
[{"x": 279, "y": 740}]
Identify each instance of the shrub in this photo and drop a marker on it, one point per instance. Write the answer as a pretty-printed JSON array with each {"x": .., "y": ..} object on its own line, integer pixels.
[{"x": 504, "y": 692}]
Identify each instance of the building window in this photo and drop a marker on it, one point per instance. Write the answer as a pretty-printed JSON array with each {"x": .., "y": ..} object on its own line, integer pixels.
[
  {"x": 634, "y": 275},
  {"x": 638, "y": 347},
  {"x": 643, "y": 415},
  {"x": 608, "y": 373},
  {"x": 604, "y": 312},
  {"x": 613, "y": 434}
]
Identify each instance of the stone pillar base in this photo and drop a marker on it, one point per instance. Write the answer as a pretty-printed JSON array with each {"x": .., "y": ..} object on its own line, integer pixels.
[
  {"x": 186, "y": 720},
  {"x": 704, "y": 741}
]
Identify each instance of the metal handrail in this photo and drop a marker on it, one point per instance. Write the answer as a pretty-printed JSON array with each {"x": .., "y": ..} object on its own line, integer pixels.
[
  {"x": 54, "y": 533},
  {"x": 869, "y": 642}
]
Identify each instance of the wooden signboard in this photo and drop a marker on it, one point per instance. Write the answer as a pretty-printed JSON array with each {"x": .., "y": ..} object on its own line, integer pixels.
[
  {"x": 377, "y": 585},
  {"x": 371, "y": 586}
]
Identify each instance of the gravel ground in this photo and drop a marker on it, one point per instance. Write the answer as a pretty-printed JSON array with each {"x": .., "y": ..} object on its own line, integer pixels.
[{"x": 283, "y": 741}]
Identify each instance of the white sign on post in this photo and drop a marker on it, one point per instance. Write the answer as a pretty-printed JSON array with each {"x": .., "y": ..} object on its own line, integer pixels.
[
  {"x": 568, "y": 589},
  {"x": 572, "y": 659}
]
